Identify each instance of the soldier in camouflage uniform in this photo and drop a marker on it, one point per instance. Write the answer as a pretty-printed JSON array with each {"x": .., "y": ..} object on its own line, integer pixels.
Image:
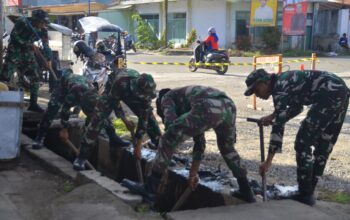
[
  {"x": 73, "y": 90},
  {"x": 328, "y": 97},
  {"x": 20, "y": 53},
  {"x": 189, "y": 112},
  {"x": 137, "y": 92}
]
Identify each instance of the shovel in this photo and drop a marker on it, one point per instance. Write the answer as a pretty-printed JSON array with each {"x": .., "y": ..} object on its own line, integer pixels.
[{"x": 262, "y": 152}]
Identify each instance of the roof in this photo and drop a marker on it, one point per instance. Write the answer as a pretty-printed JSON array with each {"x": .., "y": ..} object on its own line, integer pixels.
[{"x": 71, "y": 9}]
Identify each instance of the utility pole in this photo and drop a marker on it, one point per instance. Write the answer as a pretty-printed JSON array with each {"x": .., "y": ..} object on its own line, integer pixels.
[
  {"x": 1, "y": 30},
  {"x": 166, "y": 23}
]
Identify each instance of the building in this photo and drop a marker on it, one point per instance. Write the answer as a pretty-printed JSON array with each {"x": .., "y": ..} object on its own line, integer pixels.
[{"x": 326, "y": 20}]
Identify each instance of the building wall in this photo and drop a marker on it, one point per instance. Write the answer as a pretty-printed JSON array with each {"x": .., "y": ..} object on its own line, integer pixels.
[{"x": 207, "y": 13}]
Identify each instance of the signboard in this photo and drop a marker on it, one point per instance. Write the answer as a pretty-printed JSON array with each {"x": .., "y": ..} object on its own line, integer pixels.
[
  {"x": 263, "y": 13},
  {"x": 13, "y": 2},
  {"x": 294, "y": 18},
  {"x": 272, "y": 64}
]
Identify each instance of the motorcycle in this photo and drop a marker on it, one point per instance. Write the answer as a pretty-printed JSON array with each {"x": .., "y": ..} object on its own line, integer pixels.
[
  {"x": 95, "y": 67},
  {"x": 212, "y": 58}
]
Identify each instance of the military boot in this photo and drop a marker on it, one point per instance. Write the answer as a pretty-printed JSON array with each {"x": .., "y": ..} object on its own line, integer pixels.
[
  {"x": 34, "y": 103},
  {"x": 39, "y": 139},
  {"x": 245, "y": 192},
  {"x": 306, "y": 193},
  {"x": 79, "y": 164}
]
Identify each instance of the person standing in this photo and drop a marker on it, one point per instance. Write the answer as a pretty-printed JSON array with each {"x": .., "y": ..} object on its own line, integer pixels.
[{"x": 328, "y": 98}]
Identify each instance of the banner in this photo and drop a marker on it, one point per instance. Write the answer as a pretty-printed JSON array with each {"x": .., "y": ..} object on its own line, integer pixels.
[
  {"x": 263, "y": 13},
  {"x": 294, "y": 18},
  {"x": 13, "y": 2}
]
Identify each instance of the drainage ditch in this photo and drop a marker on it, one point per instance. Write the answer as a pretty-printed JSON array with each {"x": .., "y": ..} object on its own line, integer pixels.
[{"x": 214, "y": 189}]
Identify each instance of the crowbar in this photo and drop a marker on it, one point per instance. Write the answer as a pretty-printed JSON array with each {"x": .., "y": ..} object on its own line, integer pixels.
[
  {"x": 76, "y": 151},
  {"x": 262, "y": 152},
  {"x": 182, "y": 199}
]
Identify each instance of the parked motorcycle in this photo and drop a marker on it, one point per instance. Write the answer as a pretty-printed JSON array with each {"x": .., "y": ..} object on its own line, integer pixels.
[
  {"x": 212, "y": 58},
  {"x": 95, "y": 67}
]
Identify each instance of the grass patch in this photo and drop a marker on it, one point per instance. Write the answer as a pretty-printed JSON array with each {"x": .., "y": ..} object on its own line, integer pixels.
[
  {"x": 68, "y": 187},
  {"x": 120, "y": 127},
  {"x": 297, "y": 53},
  {"x": 338, "y": 197},
  {"x": 241, "y": 53}
]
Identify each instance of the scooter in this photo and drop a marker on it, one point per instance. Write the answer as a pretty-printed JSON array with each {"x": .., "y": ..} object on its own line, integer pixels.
[
  {"x": 95, "y": 65},
  {"x": 214, "y": 60}
]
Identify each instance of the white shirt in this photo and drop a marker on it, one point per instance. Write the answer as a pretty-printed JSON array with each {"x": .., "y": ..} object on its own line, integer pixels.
[{"x": 263, "y": 14}]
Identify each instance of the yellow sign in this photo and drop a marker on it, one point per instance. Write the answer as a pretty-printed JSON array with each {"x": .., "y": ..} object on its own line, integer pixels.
[{"x": 263, "y": 13}]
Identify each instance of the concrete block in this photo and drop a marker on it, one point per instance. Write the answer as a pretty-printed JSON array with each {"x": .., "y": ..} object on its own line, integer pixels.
[
  {"x": 53, "y": 162},
  {"x": 113, "y": 187}
]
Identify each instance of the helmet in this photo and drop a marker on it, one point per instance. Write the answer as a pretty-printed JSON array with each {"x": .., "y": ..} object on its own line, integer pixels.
[
  {"x": 125, "y": 33},
  {"x": 81, "y": 48},
  {"x": 144, "y": 87},
  {"x": 100, "y": 45},
  {"x": 211, "y": 30},
  {"x": 40, "y": 15}
]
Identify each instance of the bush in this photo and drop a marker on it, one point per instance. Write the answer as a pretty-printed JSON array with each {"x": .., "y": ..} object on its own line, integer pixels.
[
  {"x": 192, "y": 37},
  {"x": 271, "y": 38},
  {"x": 147, "y": 38},
  {"x": 243, "y": 43}
]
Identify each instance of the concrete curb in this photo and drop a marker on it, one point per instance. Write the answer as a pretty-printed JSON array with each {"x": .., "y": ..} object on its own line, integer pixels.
[
  {"x": 115, "y": 188},
  {"x": 61, "y": 166}
]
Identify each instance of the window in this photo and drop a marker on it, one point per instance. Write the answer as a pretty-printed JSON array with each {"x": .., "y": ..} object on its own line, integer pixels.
[
  {"x": 242, "y": 20},
  {"x": 153, "y": 21},
  {"x": 327, "y": 22},
  {"x": 177, "y": 27}
]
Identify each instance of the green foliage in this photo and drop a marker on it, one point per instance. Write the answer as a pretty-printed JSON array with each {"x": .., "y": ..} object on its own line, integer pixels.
[
  {"x": 243, "y": 43},
  {"x": 297, "y": 53},
  {"x": 271, "y": 38},
  {"x": 120, "y": 127},
  {"x": 240, "y": 53},
  {"x": 68, "y": 186},
  {"x": 147, "y": 38},
  {"x": 192, "y": 37},
  {"x": 339, "y": 197}
]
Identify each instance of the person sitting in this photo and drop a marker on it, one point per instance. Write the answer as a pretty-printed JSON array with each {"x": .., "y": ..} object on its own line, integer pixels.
[
  {"x": 343, "y": 42},
  {"x": 211, "y": 42}
]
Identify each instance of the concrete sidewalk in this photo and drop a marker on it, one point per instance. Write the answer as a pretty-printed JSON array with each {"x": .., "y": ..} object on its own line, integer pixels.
[
  {"x": 29, "y": 192},
  {"x": 272, "y": 210}
]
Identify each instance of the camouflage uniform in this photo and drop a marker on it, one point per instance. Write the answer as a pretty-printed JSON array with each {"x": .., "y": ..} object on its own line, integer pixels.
[
  {"x": 328, "y": 96},
  {"x": 73, "y": 90},
  {"x": 137, "y": 92},
  {"x": 20, "y": 54},
  {"x": 189, "y": 112}
]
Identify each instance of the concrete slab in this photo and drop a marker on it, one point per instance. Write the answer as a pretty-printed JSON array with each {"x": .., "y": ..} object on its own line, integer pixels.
[
  {"x": 113, "y": 187},
  {"x": 272, "y": 210},
  {"x": 90, "y": 201},
  {"x": 53, "y": 161}
]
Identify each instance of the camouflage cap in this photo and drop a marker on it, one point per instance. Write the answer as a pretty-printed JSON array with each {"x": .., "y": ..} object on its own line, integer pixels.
[
  {"x": 40, "y": 15},
  {"x": 253, "y": 78},
  {"x": 3, "y": 87},
  {"x": 65, "y": 74},
  {"x": 144, "y": 87}
]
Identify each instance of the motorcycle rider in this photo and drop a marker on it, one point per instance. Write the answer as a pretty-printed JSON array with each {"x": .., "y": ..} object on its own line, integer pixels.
[
  {"x": 128, "y": 41},
  {"x": 211, "y": 42}
]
